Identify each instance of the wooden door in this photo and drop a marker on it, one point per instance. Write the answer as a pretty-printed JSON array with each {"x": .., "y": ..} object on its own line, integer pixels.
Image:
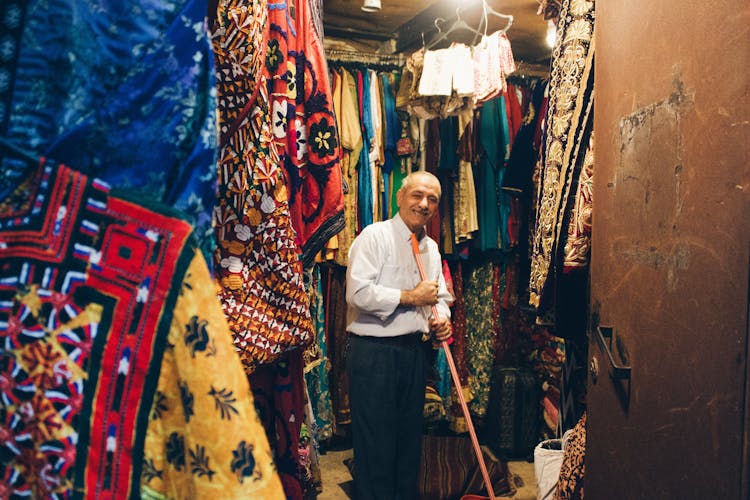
[{"x": 670, "y": 251}]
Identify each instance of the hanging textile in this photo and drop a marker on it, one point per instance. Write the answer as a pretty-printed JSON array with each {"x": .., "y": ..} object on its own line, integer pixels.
[
  {"x": 518, "y": 178},
  {"x": 457, "y": 420},
  {"x": 392, "y": 132},
  {"x": 304, "y": 128},
  {"x": 430, "y": 145},
  {"x": 578, "y": 243},
  {"x": 262, "y": 289},
  {"x": 338, "y": 341},
  {"x": 465, "y": 216},
  {"x": 316, "y": 13},
  {"x": 365, "y": 196},
  {"x": 493, "y": 62},
  {"x": 131, "y": 105},
  {"x": 490, "y": 175},
  {"x": 117, "y": 362},
  {"x": 568, "y": 116},
  {"x": 480, "y": 333},
  {"x": 279, "y": 393},
  {"x": 377, "y": 144},
  {"x": 318, "y": 365},
  {"x": 347, "y": 112}
]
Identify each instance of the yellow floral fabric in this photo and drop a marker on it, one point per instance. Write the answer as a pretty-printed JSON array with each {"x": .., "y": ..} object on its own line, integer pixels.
[{"x": 204, "y": 439}]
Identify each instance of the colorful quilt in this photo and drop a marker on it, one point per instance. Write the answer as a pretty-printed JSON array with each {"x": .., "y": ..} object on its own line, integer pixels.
[{"x": 116, "y": 363}]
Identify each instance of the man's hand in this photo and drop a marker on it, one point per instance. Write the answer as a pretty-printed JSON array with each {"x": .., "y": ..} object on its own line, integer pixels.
[
  {"x": 424, "y": 294},
  {"x": 440, "y": 329}
]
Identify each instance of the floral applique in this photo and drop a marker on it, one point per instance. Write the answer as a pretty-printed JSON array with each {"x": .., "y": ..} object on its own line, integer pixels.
[
  {"x": 324, "y": 141},
  {"x": 196, "y": 335},
  {"x": 187, "y": 401},
  {"x": 224, "y": 400},
  {"x": 199, "y": 463},
  {"x": 243, "y": 462}
]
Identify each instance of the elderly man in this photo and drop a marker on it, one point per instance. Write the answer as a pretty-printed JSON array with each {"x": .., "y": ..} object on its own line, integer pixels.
[{"x": 389, "y": 319}]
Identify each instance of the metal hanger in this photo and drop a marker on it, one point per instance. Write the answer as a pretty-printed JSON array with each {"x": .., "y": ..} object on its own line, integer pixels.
[
  {"x": 457, "y": 24},
  {"x": 487, "y": 10}
]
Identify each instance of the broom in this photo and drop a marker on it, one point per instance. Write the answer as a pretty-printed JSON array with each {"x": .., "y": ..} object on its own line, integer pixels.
[{"x": 457, "y": 383}]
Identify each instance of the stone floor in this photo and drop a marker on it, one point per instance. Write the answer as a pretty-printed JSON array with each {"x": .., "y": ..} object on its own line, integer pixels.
[{"x": 337, "y": 481}]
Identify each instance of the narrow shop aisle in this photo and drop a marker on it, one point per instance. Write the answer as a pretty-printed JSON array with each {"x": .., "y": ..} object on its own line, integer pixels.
[{"x": 337, "y": 482}]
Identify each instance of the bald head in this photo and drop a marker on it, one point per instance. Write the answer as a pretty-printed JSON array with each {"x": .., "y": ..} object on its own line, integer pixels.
[{"x": 420, "y": 176}]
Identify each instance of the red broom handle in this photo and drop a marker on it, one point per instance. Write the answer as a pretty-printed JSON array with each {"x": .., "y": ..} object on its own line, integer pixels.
[{"x": 456, "y": 381}]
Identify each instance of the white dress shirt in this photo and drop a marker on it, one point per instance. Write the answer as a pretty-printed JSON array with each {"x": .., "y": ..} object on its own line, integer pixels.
[{"x": 381, "y": 265}]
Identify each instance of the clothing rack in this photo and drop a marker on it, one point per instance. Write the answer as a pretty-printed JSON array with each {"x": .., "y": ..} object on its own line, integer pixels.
[
  {"x": 528, "y": 70},
  {"x": 338, "y": 57}
]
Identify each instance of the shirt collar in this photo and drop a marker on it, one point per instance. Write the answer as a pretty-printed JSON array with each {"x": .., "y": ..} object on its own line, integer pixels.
[{"x": 402, "y": 229}]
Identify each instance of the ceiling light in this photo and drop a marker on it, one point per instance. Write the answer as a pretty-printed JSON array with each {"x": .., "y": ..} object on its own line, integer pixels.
[{"x": 371, "y": 5}]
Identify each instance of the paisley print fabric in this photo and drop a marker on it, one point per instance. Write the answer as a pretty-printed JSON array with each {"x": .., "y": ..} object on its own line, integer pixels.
[
  {"x": 569, "y": 113},
  {"x": 116, "y": 361},
  {"x": 132, "y": 105},
  {"x": 262, "y": 286}
]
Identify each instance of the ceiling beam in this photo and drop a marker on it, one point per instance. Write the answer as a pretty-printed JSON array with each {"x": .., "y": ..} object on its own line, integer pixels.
[
  {"x": 409, "y": 34},
  {"x": 347, "y": 33}
]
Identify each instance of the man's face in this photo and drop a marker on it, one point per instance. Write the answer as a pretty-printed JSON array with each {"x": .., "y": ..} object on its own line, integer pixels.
[{"x": 418, "y": 202}]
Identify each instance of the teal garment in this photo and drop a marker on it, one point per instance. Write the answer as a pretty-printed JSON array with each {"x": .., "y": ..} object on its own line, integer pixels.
[
  {"x": 489, "y": 174},
  {"x": 364, "y": 178},
  {"x": 449, "y": 145},
  {"x": 444, "y": 380},
  {"x": 503, "y": 201},
  {"x": 317, "y": 376},
  {"x": 392, "y": 134}
]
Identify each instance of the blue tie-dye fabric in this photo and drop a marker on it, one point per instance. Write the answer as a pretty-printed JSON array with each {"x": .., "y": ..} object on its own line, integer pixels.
[{"x": 121, "y": 90}]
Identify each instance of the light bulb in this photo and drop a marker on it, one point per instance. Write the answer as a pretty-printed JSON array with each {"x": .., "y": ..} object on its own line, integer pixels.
[
  {"x": 551, "y": 37},
  {"x": 371, "y": 5}
]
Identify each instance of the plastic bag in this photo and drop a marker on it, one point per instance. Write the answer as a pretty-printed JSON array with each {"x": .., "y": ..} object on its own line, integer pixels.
[{"x": 548, "y": 457}]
